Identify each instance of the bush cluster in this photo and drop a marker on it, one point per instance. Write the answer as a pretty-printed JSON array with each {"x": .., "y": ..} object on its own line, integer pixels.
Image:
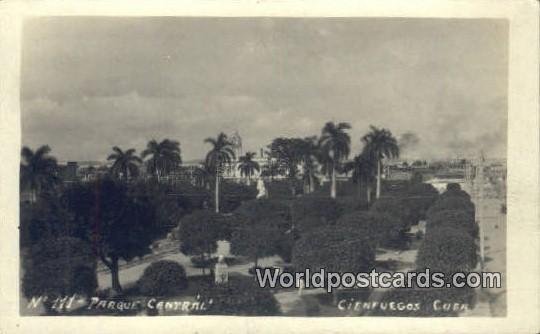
[
  {"x": 241, "y": 296},
  {"x": 451, "y": 230}
]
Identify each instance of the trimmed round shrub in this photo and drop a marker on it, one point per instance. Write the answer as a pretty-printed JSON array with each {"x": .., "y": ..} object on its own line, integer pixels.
[
  {"x": 240, "y": 296},
  {"x": 338, "y": 249},
  {"x": 60, "y": 267},
  {"x": 162, "y": 279},
  {"x": 458, "y": 219},
  {"x": 447, "y": 250}
]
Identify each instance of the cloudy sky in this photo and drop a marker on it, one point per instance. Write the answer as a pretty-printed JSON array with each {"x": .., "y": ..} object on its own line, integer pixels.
[{"x": 91, "y": 83}]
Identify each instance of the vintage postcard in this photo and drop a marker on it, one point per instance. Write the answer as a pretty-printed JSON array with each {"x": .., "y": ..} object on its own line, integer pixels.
[{"x": 371, "y": 167}]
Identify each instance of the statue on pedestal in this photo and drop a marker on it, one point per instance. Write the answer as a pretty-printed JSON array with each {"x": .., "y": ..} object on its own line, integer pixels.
[
  {"x": 220, "y": 271},
  {"x": 261, "y": 189}
]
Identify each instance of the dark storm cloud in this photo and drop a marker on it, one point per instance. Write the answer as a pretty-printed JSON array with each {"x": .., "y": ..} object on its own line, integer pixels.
[{"x": 91, "y": 83}]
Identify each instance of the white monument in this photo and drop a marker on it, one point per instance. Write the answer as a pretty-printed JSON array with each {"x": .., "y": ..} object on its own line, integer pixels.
[
  {"x": 261, "y": 189},
  {"x": 220, "y": 271}
]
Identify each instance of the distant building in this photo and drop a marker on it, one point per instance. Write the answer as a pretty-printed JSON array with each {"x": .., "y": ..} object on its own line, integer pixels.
[{"x": 69, "y": 171}]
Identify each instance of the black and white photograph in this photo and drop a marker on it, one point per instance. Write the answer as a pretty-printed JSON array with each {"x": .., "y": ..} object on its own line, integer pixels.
[{"x": 260, "y": 166}]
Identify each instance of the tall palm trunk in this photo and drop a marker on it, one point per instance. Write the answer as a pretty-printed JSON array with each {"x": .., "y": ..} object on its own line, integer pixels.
[
  {"x": 217, "y": 190},
  {"x": 368, "y": 193},
  {"x": 333, "y": 187},
  {"x": 378, "y": 192}
]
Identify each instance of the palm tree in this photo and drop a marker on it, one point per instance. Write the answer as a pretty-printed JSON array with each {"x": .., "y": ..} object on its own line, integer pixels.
[
  {"x": 221, "y": 153},
  {"x": 247, "y": 166},
  {"x": 125, "y": 163},
  {"x": 335, "y": 143},
  {"x": 363, "y": 171},
  {"x": 381, "y": 144},
  {"x": 38, "y": 170},
  {"x": 165, "y": 156}
]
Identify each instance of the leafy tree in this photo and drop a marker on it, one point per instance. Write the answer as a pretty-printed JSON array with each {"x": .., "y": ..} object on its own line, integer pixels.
[
  {"x": 58, "y": 267},
  {"x": 121, "y": 224},
  {"x": 247, "y": 166},
  {"x": 382, "y": 229},
  {"x": 287, "y": 152},
  {"x": 419, "y": 197},
  {"x": 398, "y": 215},
  {"x": 220, "y": 154},
  {"x": 38, "y": 170},
  {"x": 166, "y": 208},
  {"x": 363, "y": 172},
  {"x": 125, "y": 164},
  {"x": 233, "y": 194},
  {"x": 336, "y": 143},
  {"x": 199, "y": 233},
  {"x": 381, "y": 144},
  {"x": 257, "y": 238},
  {"x": 165, "y": 156},
  {"x": 260, "y": 229},
  {"x": 163, "y": 278},
  {"x": 255, "y": 209},
  {"x": 341, "y": 249},
  {"x": 309, "y": 212},
  {"x": 48, "y": 218}
]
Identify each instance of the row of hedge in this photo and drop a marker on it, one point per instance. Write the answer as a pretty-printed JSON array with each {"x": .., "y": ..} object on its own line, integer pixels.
[{"x": 449, "y": 246}]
